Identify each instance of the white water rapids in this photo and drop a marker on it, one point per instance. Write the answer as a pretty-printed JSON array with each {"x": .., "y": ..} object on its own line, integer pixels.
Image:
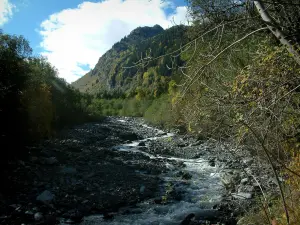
[{"x": 198, "y": 194}]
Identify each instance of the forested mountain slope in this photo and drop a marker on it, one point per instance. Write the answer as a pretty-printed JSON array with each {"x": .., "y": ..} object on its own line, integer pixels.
[{"x": 111, "y": 74}]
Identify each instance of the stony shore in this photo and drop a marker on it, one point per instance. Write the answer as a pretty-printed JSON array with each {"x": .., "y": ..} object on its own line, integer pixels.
[{"x": 79, "y": 174}]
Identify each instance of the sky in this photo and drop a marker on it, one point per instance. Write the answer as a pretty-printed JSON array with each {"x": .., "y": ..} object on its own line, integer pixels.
[{"x": 73, "y": 34}]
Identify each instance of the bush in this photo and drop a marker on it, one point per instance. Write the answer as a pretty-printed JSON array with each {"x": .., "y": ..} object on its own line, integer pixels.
[{"x": 160, "y": 112}]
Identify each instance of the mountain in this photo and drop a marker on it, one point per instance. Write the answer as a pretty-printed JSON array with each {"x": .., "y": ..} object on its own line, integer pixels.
[{"x": 110, "y": 73}]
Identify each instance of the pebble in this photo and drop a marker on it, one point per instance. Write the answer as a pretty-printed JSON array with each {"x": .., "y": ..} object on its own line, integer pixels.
[
  {"x": 244, "y": 181},
  {"x": 38, "y": 216}
]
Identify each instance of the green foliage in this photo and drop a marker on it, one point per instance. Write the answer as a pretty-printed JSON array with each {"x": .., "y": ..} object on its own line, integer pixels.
[
  {"x": 172, "y": 87},
  {"x": 34, "y": 101},
  {"x": 13, "y": 68},
  {"x": 106, "y": 107},
  {"x": 134, "y": 107},
  {"x": 160, "y": 112}
]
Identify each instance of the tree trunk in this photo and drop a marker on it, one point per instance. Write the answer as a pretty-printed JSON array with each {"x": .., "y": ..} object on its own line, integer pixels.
[{"x": 275, "y": 30}]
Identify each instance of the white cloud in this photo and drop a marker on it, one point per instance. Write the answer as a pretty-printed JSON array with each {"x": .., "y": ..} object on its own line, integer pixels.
[
  {"x": 79, "y": 36},
  {"x": 180, "y": 16},
  {"x": 6, "y": 11}
]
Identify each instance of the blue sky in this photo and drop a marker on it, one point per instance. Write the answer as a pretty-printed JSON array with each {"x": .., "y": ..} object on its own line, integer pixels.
[{"x": 73, "y": 34}]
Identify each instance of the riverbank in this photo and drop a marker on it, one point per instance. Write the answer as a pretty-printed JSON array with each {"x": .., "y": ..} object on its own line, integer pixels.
[{"x": 104, "y": 168}]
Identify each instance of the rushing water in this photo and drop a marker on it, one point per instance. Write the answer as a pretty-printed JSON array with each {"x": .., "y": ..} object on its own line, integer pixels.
[{"x": 198, "y": 195}]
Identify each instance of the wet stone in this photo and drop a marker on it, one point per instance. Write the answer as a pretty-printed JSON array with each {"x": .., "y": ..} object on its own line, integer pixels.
[
  {"x": 38, "y": 216},
  {"x": 45, "y": 196}
]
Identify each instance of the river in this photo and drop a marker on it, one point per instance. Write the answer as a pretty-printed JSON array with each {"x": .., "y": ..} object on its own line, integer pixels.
[{"x": 198, "y": 194}]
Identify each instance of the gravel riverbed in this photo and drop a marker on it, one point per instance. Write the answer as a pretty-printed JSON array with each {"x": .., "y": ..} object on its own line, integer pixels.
[{"x": 122, "y": 171}]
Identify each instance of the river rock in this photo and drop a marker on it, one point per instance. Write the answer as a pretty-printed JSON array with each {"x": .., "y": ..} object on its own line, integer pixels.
[
  {"x": 198, "y": 155},
  {"x": 230, "y": 178},
  {"x": 69, "y": 221},
  {"x": 196, "y": 143},
  {"x": 29, "y": 213},
  {"x": 246, "y": 188},
  {"x": 38, "y": 216},
  {"x": 242, "y": 195},
  {"x": 15, "y": 206},
  {"x": 46, "y": 196},
  {"x": 142, "y": 189},
  {"x": 181, "y": 145},
  {"x": 181, "y": 164},
  {"x": 244, "y": 181},
  {"x": 248, "y": 161}
]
